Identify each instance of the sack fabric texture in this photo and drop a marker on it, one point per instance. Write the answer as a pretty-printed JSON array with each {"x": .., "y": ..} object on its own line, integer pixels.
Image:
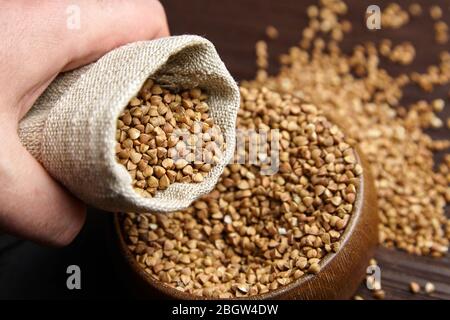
[{"x": 71, "y": 128}]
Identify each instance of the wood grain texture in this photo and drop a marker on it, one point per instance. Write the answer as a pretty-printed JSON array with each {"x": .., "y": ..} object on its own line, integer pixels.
[{"x": 235, "y": 26}]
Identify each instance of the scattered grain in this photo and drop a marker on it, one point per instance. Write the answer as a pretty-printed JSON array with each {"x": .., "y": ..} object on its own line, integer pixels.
[
  {"x": 414, "y": 287},
  {"x": 435, "y": 12},
  {"x": 415, "y": 9},
  {"x": 429, "y": 287},
  {"x": 379, "y": 294},
  {"x": 394, "y": 17},
  {"x": 412, "y": 195},
  {"x": 272, "y": 32}
]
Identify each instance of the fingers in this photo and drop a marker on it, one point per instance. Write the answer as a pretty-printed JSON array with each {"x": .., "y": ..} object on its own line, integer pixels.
[
  {"x": 32, "y": 204},
  {"x": 58, "y": 36}
]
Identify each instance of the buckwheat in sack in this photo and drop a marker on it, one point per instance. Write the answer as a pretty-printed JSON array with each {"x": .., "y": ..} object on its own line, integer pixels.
[{"x": 71, "y": 128}]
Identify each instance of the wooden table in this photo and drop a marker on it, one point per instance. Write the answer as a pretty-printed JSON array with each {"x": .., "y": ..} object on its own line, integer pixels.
[{"x": 235, "y": 26}]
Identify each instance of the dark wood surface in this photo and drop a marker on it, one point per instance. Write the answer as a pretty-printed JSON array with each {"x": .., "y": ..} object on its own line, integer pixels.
[{"x": 235, "y": 26}]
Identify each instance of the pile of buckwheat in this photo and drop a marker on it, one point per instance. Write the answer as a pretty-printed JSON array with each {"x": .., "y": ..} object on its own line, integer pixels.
[
  {"x": 150, "y": 138},
  {"x": 255, "y": 233}
]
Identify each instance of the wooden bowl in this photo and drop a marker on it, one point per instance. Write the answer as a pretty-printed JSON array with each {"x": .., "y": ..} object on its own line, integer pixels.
[{"x": 340, "y": 275}]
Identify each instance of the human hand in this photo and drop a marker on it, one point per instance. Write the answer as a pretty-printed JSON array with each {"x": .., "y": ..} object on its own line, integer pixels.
[{"x": 37, "y": 44}]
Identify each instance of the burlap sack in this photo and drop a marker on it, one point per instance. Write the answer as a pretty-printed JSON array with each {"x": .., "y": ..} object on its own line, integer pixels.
[{"x": 71, "y": 128}]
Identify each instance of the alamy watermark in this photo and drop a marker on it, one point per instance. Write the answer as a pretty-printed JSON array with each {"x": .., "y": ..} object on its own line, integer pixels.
[
  {"x": 260, "y": 148},
  {"x": 373, "y": 17},
  {"x": 73, "y": 20},
  {"x": 73, "y": 281},
  {"x": 373, "y": 278}
]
